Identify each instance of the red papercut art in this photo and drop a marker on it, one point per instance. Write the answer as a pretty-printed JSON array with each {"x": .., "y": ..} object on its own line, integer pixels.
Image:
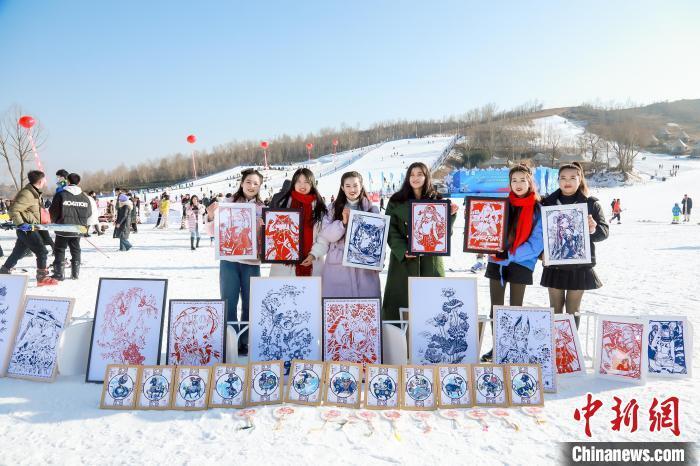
[
  {"x": 282, "y": 233},
  {"x": 196, "y": 336},
  {"x": 621, "y": 352},
  {"x": 429, "y": 228},
  {"x": 486, "y": 225},
  {"x": 567, "y": 357},
  {"x": 236, "y": 232},
  {"x": 352, "y": 331}
]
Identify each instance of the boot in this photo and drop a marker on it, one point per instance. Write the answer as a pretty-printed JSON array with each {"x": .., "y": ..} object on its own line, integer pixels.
[
  {"x": 57, "y": 271},
  {"x": 43, "y": 279},
  {"x": 192, "y": 244},
  {"x": 5, "y": 271},
  {"x": 74, "y": 271},
  {"x": 197, "y": 245}
]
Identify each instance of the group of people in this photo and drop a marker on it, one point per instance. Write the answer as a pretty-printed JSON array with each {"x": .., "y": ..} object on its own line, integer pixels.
[{"x": 677, "y": 210}]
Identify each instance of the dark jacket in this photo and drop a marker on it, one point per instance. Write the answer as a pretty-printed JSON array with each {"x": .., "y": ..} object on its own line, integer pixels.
[
  {"x": 594, "y": 209},
  {"x": 687, "y": 205},
  {"x": 70, "y": 206},
  {"x": 26, "y": 206},
  {"x": 123, "y": 222}
]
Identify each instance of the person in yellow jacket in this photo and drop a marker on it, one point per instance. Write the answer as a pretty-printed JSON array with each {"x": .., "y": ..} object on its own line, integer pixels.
[{"x": 163, "y": 209}]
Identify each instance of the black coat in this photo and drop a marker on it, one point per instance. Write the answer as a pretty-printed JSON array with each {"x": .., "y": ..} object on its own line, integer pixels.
[
  {"x": 687, "y": 205},
  {"x": 123, "y": 223},
  {"x": 70, "y": 206},
  {"x": 594, "y": 208}
]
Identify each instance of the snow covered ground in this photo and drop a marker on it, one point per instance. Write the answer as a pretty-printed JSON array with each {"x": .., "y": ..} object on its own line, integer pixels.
[{"x": 647, "y": 265}]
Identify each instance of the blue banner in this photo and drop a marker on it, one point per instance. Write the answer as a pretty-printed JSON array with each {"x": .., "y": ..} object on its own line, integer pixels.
[{"x": 494, "y": 181}]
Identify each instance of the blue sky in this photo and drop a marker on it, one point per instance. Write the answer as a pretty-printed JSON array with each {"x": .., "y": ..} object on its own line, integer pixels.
[{"x": 125, "y": 81}]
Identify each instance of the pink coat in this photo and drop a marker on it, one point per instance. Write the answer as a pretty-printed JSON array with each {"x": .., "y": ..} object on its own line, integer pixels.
[
  {"x": 340, "y": 281},
  {"x": 194, "y": 221}
]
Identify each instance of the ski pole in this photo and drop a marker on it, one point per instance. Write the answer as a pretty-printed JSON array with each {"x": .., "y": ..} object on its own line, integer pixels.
[{"x": 95, "y": 246}]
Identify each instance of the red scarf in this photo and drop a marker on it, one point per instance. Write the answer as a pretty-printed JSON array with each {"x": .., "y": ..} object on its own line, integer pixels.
[
  {"x": 524, "y": 227},
  {"x": 305, "y": 203}
]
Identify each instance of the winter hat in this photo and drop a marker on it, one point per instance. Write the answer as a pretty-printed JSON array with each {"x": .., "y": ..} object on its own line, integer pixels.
[{"x": 123, "y": 198}]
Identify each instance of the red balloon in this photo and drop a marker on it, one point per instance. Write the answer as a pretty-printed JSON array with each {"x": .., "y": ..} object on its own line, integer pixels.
[
  {"x": 191, "y": 138},
  {"x": 335, "y": 142},
  {"x": 309, "y": 146},
  {"x": 264, "y": 144},
  {"x": 26, "y": 121}
]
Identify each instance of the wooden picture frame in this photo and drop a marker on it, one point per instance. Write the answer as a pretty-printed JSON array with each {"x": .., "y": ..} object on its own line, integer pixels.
[
  {"x": 13, "y": 289},
  {"x": 120, "y": 388},
  {"x": 201, "y": 323},
  {"x": 526, "y": 334},
  {"x": 145, "y": 317},
  {"x": 489, "y": 379},
  {"x": 366, "y": 240},
  {"x": 439, "y": 309},
  {"x": 455, "y": 385},
  {"x": 282, "y": 237},
  {"x": 382, "y": 386},
  {"x": 419, "y": 386},
  {"x": 265, "y": 383},
  {"x": 566, "y": 237},
  {"x": 485, "y": 224},
  {"x": 188, "y": 393},
  {"x": 366, "y": 325},
  {"x": 305, "y": 383},
  {"x": 429, "y": 231},
  {"x": 228, "y": 386},
  {"x": 343, "y": 384},
  {"x": 34, "y": 353},
  {"x": 236, "y": 231},
  {"x": 298, "y": 301},
  {"x": 524, "y": 384},
  {"x": 670, "y": 347},
  {"x": 155, "y": 387},
  {"x": 621, "y": 349},
  {"x": 569, "y": 357}
]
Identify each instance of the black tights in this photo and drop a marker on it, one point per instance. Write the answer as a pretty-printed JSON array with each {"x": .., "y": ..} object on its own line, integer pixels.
[{"x": 569, "y": 298}]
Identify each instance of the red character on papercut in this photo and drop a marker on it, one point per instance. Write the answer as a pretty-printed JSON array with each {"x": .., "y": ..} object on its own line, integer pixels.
[
  {"x": 485, "y": 224},
  {"x": 194, "y": 329},
  {"x": 236, "y": 234},
  {"x": 282, "y": 238},
  {"x": 429, "y": 229},
  {"x": 622, "y": 349},
  {"x": 352, "y": 333},
  {"x": 566, "y": 356}
]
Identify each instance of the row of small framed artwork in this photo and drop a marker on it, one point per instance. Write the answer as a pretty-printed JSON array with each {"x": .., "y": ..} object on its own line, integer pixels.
[{"x": 336, "y": 383}]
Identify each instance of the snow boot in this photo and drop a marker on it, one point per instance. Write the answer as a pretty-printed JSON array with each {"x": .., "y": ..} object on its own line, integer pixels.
[
  {"x": 197, "y": 245},
  {"x": 74, "y": 271},
  {"x": 57, "y": 272},
  {"x": 5, "y": 271},
  {"x": 43, "y": 279},
  {"x": 192, "y": 244}
]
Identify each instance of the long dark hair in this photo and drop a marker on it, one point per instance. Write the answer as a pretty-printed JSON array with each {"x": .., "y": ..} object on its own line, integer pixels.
[
  {"x": 320, "y": 207},
  {"x": 583, "y": 187},
  {"x": 514, "y": 217},
  {"x": 406, "y": 191},
  {"x": 192, "y": 198},
  {"x": 245, "y": 174},
  {"x": 341, "y": 199}
]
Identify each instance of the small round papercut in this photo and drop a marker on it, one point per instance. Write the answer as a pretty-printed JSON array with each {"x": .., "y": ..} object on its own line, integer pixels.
[
  {"x": 419, "y": 387},
  {"x": 454, "y": 386},
  {"x": 382, "y": 387},
  {"x": 524, "y": 385},
  {"x": 192, "y": 388},
  {"x": 489, "y": 385},
  {"x": 265, "y": 383},
  {"x": 343, "y": 385},
  {"x": 120, "y": 387},
  {"x": 229, "y": 386},
  {"x": 156, "y": 387},
  {"x": 306, "y": 382}
]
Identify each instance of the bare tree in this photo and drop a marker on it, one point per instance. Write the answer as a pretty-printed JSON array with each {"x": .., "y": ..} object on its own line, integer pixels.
[
  {"x": 626, "y": 134},
  {"x": 551, "y": 139},
  {"x": 15, "y": 145},
  {"x": 590, "y": 143}
]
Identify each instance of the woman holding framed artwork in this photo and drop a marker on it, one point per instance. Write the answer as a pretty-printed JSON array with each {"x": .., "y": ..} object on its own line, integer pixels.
[
  {"x": 417, "y": 185},
  {"x": 234, "y": 275},
  {"x": 340, "y": 281},
  {"x": 566, "y": 283},
  {"x": 303, "y": 195},
  {"x": 523, "y": 244}
]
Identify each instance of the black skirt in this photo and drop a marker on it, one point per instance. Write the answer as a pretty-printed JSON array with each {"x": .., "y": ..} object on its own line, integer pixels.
[
  {"x": 583, "y": 278},
  {"x": 512, "y": 273}
]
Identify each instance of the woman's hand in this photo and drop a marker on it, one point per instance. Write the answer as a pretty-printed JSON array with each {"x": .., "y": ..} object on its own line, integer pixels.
[
  {"x": 346, "y": 215},
  {"x": 591, "y": 224},
  {"x": 261, "y": 222},
  {"x": 453, "y": 208},
  {"x": 308, "y": 261},
  {"x": 408, "y": 256}
]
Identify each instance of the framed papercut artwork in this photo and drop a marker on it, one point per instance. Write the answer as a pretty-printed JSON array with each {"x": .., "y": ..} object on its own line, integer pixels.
[
  {"x": 196, "y": 332},
  {"x": 12, "y": 289},
  {"x": 119, "y": 390},
  {"x": 443, "y": 326},
  {"x": 305, "y": 383},
  {"x": 419, "y": 387},
  {"x": 525, "y": 384},
  {"x": 266, "y": 382},
  {"x": 429, "y": 228},
  {"x": 525, "y": 335},
  {"x": 285, "y": 319},
  {"x": 486, "y": 224},
  {"x": 343, "y": 384},
  {"x": 236, "y": 231},
  {"x": 382, "y": 386},
  {"x": 567, "y": 239},
  {"x": 128, "y": 325},
  {"x": 366, "y": 240},
  {"x": 282, "y": 236},
  {"x": 489, "y": 385},
  {"x": 670, "y": 351},
  {"x": 569, "y": 357},
  {"x": 155, "y": 387},
  {"x": 191, "y": 387},
  {"x": 352, "y": 330},
  {"x": 455, "y": 384},
  {"x": 35, "y": 351},
  {"x": 228, "y": 386},
  {"x": 621, "y": 349}
]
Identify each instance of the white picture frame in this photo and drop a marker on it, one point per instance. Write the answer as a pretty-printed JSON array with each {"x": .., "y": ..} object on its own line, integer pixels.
[
  {"x": 566, "y": 236},
  {"x": 366, "y": 240},
  {"x": 439, "y": 310},
  {"x": 352, "y": 330},
  {"x": 569, "y": 357},
  {"x": 12, "y": 290},
  {"x": 236, "y": 231},
  {"x": 285, "y": 319},
  {"x": 196, "y": 332},
  {"x": 670, "y": 347},
  {"x": 621, "y": 348},
  {"x": 35, "y": 351},
  {"x": 525, "y": 335}
]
